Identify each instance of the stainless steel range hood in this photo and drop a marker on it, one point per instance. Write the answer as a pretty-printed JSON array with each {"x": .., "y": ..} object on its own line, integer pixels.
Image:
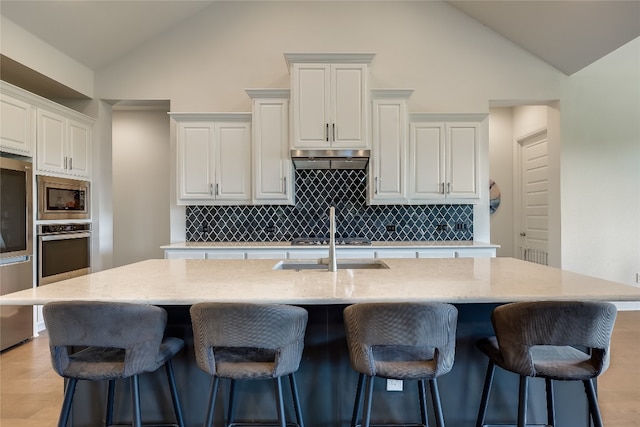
[{"x": 330, "y": 159}]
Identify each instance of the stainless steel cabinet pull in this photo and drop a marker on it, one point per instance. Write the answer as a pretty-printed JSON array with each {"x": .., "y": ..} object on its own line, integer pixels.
[
  {"x": 448, "y": 188},
  {"x": 334, "y": 132},
  {"x": 217, "y": 189},
  {"x": 211, "y": 189},
  {"x": 65, "y": 162},
  {"x": 442, "y": 188},
  {"x": 70, "y": 163},
  {"x": 326, "y": 132},
  {"x": 375, "y": 189},
  {"x": 284, "y": 179}
]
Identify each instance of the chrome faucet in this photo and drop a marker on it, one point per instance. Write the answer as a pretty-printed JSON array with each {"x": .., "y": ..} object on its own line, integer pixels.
[{"x": 332, "y": 262}]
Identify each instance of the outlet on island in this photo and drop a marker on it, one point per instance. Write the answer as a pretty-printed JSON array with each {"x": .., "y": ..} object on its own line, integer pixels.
[
  {"x": 205, "y": 228},
  {"x": 270, "y": 229},
  {"x": 391, "y": 228}
]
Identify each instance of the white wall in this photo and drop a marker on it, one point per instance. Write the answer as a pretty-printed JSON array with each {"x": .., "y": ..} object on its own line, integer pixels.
[
  {"x": 141, "y": 185},
  {"x": 32, "y": 52},
  {"x": 501, "y": 167},
  {"x": 601, "y": 167}
]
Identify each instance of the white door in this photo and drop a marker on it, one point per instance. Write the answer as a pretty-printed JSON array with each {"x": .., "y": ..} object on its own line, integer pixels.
[
  {"x": 462, "y": 155},
  {"x": 426, "y": 161},
  {"x": 196, "y": 160},
  {"x": 51, "y": 146},
  {"x": 534, "y": 197},
  {"x": 79, "y": 149}
]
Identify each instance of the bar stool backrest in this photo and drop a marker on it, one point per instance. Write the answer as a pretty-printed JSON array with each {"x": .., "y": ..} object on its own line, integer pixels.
[
  {"x": 276, "y": 327},
  {"x": 136, "y": 328},
  {"x": 428, "y": 325},
  {"x": 521, "y": 326}
]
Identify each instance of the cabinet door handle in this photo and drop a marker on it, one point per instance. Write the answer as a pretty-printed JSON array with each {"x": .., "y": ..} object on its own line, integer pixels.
[
  {"x": 326, "y": 132},
  {"x": 65, "y": 162},
  {"x": 211, "y": 189},
  {"x": 442, "y": 188},
  {"x": 70, "y": 163},
  {"x": 375, "y": 187},
  {"x": 448, "y": 188},
  {"x": 217, "y": 189},
  {"x": 334, "y": 132},
  {"x": 284, "y": 180}
]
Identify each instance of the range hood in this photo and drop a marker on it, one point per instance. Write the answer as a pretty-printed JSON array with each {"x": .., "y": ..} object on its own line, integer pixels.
[{"x": 330, "y": 159}]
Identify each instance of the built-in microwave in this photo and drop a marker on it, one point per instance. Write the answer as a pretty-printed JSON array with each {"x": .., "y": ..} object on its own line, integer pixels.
[{"x": 62, "y": 198}]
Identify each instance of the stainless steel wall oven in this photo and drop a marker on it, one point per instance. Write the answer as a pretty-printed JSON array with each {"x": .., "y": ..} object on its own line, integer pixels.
[{"x": 64, "y": 251}]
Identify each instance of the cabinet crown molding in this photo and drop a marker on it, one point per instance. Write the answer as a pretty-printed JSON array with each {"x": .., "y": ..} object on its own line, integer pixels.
[
  {"x": 216, "y": 117},
  {"x": 344, "y": 58},
  {"x": 268, "y": 93}
]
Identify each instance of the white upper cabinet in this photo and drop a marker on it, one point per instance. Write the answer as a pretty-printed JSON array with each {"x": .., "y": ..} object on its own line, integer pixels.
[
  {"x": 444, "y": 158},
  {"x": 17, "y": 130},
  {"x": 63, "y": 144},
  {"x": 387, "y": 170},
  {"x": 272, "y": 170},
  {"x": 330, "y": 101},
  {"x": 214, "y": 158}
]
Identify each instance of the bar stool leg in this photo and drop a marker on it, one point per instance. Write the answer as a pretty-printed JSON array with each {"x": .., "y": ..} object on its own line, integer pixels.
[
  {"x": 522, "y": 401},
  {"x": 135, "y": 400},
  {"x": 358, "y": 401},
  {"x": 422, "y": 395},
  {"x": 296, "y": 400},
  {"x": 231, "y": 412},
  {"x": 368, "y": 396},
  {"x": 110, "y": 397},
  {"x": 212, "y": 401},
  {"x": 435, "y": 396},
  {"x": 66, "y": 404},
  {"x": 551, "y": 408},
  {"x": 175, "y": 398},
  {"x": 484, "y": 401},
  {"x": 593, "y": 403},
  {"x": 280, "y": 403}
]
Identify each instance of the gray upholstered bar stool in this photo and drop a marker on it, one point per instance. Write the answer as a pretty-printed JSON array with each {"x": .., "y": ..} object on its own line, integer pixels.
[
  {"x": 404, "y": 341},
  {"x": 547, "y": 339},
  {"x": 241, "y": 341},
  {"x": 114, "y": 340}
]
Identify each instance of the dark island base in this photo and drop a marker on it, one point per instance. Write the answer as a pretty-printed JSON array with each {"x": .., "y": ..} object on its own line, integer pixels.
[{"x": 327, "y": 384}]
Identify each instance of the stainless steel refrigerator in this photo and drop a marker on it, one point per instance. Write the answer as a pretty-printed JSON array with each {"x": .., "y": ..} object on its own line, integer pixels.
[{"x": 16, "y": 247}]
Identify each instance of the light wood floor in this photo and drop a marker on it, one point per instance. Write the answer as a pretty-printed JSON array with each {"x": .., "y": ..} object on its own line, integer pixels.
[{"x": 31, "y": 393}]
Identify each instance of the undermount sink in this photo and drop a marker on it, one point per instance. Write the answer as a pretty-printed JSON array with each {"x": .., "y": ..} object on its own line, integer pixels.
[{"x": 318, "y": 264}]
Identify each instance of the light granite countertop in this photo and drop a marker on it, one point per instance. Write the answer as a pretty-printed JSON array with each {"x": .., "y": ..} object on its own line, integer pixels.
[{"x": 454, "y": 280}]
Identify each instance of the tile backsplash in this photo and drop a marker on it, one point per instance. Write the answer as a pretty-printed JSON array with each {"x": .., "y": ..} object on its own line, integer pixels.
[{"x": 316, "y": 190}]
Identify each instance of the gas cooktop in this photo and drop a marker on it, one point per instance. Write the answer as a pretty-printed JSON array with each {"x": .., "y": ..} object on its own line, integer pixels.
[{"x": 342, "y": 241}]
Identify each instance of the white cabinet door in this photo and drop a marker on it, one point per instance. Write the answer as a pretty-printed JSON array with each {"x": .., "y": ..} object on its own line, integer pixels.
[
  {"x": 214, "y": 161},
  {"x": 196, "y": 161},
  {"x": 52, "y": 140},
  {"x": 426, "y": 161},
  {"x": 329, "y": 105},
  {"x": 63, "y": 145},
  {"x": 79, "y": 149},
  {"x": 233, "y": 163},
  {"x": 17, "y": 132},
  {"x": 444, "y": 162},
  {"x": 272, "y": 181},
  {"x": 348, "y": 127},
  {"x": 462, "y": 163},
  {"x": 388, "y": 152}
]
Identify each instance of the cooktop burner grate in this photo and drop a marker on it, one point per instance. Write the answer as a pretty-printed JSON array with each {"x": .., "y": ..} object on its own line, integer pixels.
[{"x": 342, "y": 241}]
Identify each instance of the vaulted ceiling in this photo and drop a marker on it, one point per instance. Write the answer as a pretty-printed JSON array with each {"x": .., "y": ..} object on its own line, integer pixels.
[{"x": 569, "y": 35}]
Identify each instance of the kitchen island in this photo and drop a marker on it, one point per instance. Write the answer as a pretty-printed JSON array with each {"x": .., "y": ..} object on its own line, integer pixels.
[{"x": 326, "y": 381}]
